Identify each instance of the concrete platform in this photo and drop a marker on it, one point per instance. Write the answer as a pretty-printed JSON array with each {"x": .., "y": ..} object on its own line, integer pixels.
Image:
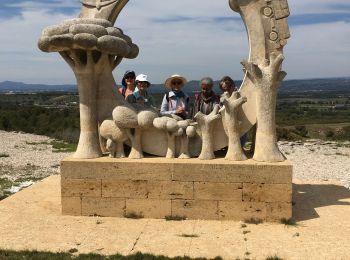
[
  {"x": 193, "y": 189},
  {"x": 31, "y": 219}
]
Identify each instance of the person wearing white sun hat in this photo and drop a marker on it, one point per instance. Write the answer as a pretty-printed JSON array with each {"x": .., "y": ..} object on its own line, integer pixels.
[
  {"x": 175, "y": 102},
  {"x": 141, "y": 95}
]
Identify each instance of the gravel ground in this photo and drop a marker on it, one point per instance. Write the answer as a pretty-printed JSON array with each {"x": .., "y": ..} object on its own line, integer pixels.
[
  {"x": 27, "y": 156},
  {"x": 31, "y": 157},
  {"x": 319, "y": 160}
]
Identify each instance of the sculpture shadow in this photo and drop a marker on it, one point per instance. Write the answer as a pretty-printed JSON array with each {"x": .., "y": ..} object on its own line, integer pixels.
[{"x": 308, "y": 197}]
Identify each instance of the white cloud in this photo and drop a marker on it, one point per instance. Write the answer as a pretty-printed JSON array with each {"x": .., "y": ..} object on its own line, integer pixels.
[
  {"x": 319, "y": 6},
  {"x": 44, "y": 5},
  {"x": 195, "y": 47},
  {"x": 319, "y": 50}
]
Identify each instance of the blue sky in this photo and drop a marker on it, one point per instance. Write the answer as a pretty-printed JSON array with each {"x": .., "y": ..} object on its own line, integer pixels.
[{"x": 178, "y": 37}]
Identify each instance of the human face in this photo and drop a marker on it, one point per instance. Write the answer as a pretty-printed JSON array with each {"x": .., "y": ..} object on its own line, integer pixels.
[
  {"x": 130, "y": 80},
  {"x": 206, "y": 88},
  {"x": 226, "y": 87},
  {"x": 176, "y": 84},
  {"x": 142, "y": 85}
]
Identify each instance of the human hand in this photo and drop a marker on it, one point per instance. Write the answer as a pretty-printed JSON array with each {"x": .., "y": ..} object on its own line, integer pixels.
[{"x": 180, "y": 110}]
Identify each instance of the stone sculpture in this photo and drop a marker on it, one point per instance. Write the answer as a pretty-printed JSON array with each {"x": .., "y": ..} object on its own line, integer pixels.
[
  {"x": 206, "y": 125},
  {"x": 231, "y": 125},
  {"x": 172, "y": 129},
  {"x": 189, "y": 131},
  {"x": 134, "y": 119},
  {"x": 184, "y": 129},
  {"x": 266, "y": 77},
  {"x": 115, "y": 138},
  {"x": 93, "y": 48},
  {"x": 268, "y": 32}
]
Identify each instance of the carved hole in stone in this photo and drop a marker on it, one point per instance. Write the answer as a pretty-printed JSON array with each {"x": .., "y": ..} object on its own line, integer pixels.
[
  {"x": 96, "y": 55},
  {"x": 82, "y": 56}
]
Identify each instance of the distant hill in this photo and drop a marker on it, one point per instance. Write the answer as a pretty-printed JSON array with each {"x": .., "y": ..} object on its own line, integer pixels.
[
  {"x": 7, "y": 86},
  {"x": 304, "y": 85},
  {"x": 332, "y": 84}
]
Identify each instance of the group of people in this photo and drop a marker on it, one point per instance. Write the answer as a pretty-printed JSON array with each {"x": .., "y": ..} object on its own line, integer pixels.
[{"x": 175, "y": 101}]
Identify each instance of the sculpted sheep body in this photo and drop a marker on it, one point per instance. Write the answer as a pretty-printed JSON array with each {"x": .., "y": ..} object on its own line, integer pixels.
[{"x": 115, "y": 138}]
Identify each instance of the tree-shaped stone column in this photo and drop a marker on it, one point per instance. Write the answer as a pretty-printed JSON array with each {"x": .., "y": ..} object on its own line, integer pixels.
[
  {"x": 230, "y": 120},
  {"x": 92, "y": 48},
  {"x": 206, "y": 126},
  {"x": 189, "y": 131},
  {"x": 172, "y": 129},
  {"x": 266, "y": 78}
]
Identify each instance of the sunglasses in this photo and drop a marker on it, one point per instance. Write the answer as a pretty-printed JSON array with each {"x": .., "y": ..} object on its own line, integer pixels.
[
  {"x": 129, "y": 77},
  {"x": 143, "y": 83},
  {"x": 176, "y": 82}
]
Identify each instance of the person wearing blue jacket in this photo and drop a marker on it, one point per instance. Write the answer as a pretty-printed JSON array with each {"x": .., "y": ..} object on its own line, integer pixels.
[{"x": 140, "y": 94}]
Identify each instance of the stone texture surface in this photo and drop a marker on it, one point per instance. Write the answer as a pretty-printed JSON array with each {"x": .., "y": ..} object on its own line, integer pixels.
[
  {"x": 112, "y": 207},
  {"x": 32, "y": 220},
  {"x": 124, "y": 188},
  {"x": 255, "y": 192},
  {"x": 192, "y": 189},
  {"x": 218, "y": 191},
  {"x": 229, "y": 112},
  {"x": 206, "y": 125},
  {"x": 242, "y": 210},
  {"x": 170, "y": 190},
  {"x": 149, "y": 208}
]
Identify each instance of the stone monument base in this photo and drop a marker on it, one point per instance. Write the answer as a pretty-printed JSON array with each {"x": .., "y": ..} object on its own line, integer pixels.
[{"x": 192, "y": 189}]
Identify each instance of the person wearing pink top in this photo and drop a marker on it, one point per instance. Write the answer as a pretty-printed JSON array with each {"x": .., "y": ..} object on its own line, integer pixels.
[{"x": 128, "y": 83}]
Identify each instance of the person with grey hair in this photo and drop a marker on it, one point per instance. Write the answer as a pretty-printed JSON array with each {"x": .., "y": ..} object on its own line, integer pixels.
[{"x": 205, "y": 100}]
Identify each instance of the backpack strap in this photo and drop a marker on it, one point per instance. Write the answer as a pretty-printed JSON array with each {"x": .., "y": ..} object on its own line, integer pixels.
[
  {"x": 123, "y": 91},
  {"x": 167, "y": 97},
  {"x": 197, "y": 98}
]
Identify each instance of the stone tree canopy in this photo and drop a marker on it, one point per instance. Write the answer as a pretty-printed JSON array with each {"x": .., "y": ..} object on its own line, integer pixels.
[
  {"x": 93, "y": 48},
  {"x": 88, "y": 35}
]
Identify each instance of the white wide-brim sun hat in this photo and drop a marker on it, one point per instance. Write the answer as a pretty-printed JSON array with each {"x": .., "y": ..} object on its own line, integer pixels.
[
  {"x": 142, "y": 78},
  {"x": 172, "y": 77}
]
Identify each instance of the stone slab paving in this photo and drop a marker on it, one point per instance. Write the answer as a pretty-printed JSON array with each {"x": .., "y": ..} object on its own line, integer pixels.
[{"x": 31, "y": 219}]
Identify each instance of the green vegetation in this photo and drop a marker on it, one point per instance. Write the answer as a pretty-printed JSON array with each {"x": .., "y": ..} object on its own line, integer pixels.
[
  {"x": 189, "y": 235},
  {"x": 255, "y": 221},
  {"x": 37, "y": 143},
  {"x": 288, "y": 222},
  {"x": 133, "y": 215},
  {"x": 35, "y": 255},
  {"x": 322, "y": 115},
  {"x": 58, "y": 122},
  {"x": 175, "y": 218},
  {"x": 275, "y": 257},
  {"x": 59, "y": 147},
  {"x": 5, "y": 184},
  {"x": 299, "y": 115}
]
